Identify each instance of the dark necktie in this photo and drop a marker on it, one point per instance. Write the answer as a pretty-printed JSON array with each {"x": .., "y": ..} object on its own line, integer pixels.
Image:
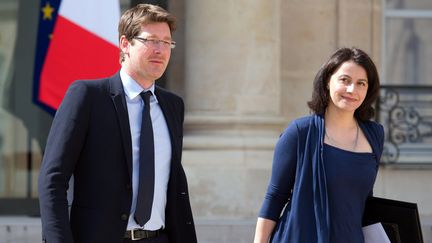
[{"x": 146, "y": 165}]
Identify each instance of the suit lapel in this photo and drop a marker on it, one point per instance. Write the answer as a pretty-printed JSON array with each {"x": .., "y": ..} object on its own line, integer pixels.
[
  {"x": 118, "y": 98},
  {"x": 169, "y": 114}
]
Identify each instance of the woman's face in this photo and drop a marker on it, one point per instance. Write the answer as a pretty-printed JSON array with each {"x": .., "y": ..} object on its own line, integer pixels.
[{"x": 348, "y": 87}]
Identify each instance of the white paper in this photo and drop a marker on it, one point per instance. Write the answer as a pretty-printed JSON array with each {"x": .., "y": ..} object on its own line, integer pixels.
[{"x": 375, "y": 233}]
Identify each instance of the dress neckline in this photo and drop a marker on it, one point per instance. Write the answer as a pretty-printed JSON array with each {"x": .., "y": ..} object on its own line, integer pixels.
[{"x": 344, "y": 150}]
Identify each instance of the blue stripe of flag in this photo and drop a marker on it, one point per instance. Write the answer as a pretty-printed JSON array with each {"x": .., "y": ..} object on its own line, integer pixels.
[{"x": 45, "y": 29}]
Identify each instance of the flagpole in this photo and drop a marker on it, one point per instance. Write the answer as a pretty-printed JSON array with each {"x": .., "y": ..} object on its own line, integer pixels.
[{"x": 29, "y": 167}]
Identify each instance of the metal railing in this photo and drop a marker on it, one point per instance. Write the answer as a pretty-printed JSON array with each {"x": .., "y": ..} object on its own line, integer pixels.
[{"x": 406, "y": 114}]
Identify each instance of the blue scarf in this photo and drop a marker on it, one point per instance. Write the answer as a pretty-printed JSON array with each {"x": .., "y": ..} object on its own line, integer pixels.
[{"x": 308, "y": 207}]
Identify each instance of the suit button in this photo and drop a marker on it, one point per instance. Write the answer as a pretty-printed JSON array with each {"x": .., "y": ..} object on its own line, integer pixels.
[
  {"x": 189, "y": 222},
  {"x": 128, "y": 186},
  {"x": 124, "y": 217}
]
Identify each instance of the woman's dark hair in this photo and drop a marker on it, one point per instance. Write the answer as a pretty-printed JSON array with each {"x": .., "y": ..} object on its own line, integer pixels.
[{"x": 321, "y": 95}]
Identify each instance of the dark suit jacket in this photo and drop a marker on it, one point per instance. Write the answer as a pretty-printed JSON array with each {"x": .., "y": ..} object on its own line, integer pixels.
[{"x": 90, "y": 138}]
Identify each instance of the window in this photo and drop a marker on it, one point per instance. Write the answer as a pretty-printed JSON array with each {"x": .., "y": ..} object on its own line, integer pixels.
[
  {"x": 18, "y": 150},
  {"x": 405, "y": 107}
]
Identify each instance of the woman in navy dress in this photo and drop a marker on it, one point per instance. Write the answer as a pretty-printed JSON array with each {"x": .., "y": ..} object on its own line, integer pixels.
[{"x": 325, "y": 164}]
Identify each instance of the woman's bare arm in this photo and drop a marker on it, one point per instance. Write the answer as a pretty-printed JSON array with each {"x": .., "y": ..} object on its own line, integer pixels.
[{"x": 263, "y": 230}]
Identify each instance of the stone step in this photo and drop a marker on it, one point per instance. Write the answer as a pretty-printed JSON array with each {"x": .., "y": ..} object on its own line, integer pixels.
[{"x": 15, "y": 229}]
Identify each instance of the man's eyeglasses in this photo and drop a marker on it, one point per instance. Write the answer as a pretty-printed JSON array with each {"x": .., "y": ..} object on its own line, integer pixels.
[{"x": 156, "y": 43}]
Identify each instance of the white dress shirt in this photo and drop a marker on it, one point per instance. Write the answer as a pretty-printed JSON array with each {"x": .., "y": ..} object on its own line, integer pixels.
[{"x": 162, "y": 144}]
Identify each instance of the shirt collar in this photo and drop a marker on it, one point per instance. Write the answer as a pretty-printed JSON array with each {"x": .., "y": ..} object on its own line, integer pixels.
[{"x": 132, "y": 88}]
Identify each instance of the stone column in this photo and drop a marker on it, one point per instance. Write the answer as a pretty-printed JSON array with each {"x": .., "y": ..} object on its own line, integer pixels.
[{"x": 232, "y": 95}]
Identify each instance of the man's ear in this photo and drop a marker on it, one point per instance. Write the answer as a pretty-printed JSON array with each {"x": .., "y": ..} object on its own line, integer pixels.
[{"x": 124, "y": 44}]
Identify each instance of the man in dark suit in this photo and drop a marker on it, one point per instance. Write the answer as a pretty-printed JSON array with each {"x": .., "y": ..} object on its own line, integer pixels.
[{"x": 121, "y": 139}]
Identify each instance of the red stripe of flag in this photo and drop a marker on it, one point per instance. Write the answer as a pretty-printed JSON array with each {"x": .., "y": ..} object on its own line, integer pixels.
[{"x": 74, "y": 53}]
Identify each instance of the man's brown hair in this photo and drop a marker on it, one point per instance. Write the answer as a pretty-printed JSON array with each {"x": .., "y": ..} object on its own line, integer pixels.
[{"x": 142, "y": 14}]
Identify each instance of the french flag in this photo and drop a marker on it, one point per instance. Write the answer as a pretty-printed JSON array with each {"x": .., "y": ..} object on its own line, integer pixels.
[{"x": 77, "y": 39}]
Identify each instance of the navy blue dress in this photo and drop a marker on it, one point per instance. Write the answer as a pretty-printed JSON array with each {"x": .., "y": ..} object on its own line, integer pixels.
[
  {"x": 350, "y": 178},
  {"x": 320, "y": 190}
]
